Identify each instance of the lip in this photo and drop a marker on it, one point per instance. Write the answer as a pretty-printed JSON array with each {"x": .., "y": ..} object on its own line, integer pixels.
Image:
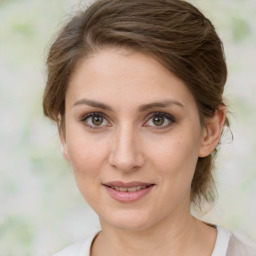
[
  {"x": 127, "y": 197},
  {"x": 127, "y": 184}
]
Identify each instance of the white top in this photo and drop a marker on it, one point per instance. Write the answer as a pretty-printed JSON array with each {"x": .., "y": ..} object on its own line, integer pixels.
[
  {"x": 222, "y": 241},
  {"x": 81, "y": 248},
  {"x": 226, "y": 245}
]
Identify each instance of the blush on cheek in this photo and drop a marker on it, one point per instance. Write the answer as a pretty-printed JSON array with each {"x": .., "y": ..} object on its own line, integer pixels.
[{"x": 86, "y": 161}]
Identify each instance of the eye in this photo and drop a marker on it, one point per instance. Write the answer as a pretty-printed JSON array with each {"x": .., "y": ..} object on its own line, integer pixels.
[
  {"x": 94, "y": 120},
  {"x": 160, "y": 120}
]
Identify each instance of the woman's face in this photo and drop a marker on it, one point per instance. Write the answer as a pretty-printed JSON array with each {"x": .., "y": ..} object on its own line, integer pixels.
[{"x": 133, "y": 136}]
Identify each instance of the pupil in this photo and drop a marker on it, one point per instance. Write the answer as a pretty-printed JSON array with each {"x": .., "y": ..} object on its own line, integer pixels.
[
  {"x": 97, "y": 120},
  {"x": 158, "y": 121}
]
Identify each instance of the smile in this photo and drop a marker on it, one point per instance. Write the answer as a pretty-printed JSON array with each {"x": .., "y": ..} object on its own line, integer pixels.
[
  {"x": 127, "y": 192},
  {"x": 132, "y": 189}
]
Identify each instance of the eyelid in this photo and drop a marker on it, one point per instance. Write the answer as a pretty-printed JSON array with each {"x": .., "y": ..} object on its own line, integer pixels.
[
  {"x": 91, "y": 114},
  {"x": 85, "y": 116},
  {"x": 170, "y": 118}
]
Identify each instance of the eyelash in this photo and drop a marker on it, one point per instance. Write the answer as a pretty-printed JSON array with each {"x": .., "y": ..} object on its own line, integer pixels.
[
  {"x": 93, "y": 114},
  {"x": 170, "y": 118}
]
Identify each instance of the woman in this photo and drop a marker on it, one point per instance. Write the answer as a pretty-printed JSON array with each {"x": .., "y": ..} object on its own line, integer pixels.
[{"x": 135, "y": 88}]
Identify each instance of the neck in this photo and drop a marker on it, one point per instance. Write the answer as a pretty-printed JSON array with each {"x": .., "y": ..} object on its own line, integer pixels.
[{"x": 181, "y": 236}]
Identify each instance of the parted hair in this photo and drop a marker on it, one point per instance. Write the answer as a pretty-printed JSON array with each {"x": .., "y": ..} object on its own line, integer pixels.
[{"x": 174, "y": 32}]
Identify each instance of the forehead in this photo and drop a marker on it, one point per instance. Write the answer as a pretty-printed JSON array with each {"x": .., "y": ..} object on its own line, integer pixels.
[{"x": 117, "y": 74}]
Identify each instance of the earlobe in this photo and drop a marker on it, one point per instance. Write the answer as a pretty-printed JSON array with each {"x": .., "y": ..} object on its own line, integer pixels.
[
  {"x": 63, "y": 143},
  {"x": 212, "y": 132},
  {"x": 65, "y": 154},
  {"x": 65, "y": 151}
]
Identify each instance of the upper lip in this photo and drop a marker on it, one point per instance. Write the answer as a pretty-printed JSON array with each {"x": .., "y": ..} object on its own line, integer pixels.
[{"x": 127, "y": 184}]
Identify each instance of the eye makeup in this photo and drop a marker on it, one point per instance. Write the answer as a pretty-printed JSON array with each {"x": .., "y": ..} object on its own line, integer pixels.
[{"x": 98, "y": 120}]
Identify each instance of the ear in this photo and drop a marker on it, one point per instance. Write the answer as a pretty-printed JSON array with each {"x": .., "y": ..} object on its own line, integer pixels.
[
  {"x": 212, "y": 132},
  {"x": 62, "y": 136}
]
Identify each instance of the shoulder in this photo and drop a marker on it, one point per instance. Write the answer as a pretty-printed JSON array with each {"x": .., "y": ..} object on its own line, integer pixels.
[
  {"x": 237, "y": 247},
  {"x": 227, "y": 244},
  {"x": 81, "y": 248},
  {"x": 222, "y": 241}
]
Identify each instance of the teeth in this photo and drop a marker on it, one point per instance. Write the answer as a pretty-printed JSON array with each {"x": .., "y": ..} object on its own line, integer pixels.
[
  {"x": 128, "y": 189},
  {"x": 132, "y": 189}
]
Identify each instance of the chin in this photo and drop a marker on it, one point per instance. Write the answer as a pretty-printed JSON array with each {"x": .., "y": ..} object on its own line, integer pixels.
[{"x": 130, "y": 221}]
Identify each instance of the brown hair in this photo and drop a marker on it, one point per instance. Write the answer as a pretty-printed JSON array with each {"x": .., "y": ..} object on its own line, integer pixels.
[{"x": 173, "y": 31}]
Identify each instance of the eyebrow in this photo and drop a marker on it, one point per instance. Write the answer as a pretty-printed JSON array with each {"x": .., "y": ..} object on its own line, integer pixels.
[
  {"x": 93, "y": 103},
  {"x": 162, "y": 104},
  {"x": 142, "y": 108}
]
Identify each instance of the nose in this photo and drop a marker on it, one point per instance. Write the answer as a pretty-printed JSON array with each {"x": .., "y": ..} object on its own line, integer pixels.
[{"x": 126, "y": 150}]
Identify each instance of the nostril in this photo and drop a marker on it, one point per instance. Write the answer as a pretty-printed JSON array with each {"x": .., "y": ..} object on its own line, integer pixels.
[{"x": 126, "y": 161}]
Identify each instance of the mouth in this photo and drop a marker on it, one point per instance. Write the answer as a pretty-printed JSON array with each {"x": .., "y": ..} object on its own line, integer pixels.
[
  {"x": 132, "y": 189},
  {"x": 128, "y": 192}
]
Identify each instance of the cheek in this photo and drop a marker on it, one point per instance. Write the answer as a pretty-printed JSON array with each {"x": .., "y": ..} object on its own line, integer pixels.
[
  {"x": 87, "y": 156},
  {"x": 176, "y": 167},
  {"x": 83, "y": 148},
  {"x": 174, "y": 153},
  {"x": 86, "y": 165},
  {"x": 175, "y": 161}
]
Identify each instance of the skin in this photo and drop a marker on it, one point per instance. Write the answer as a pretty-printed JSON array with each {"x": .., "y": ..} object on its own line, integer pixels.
[{"x": 132, "y": 145}]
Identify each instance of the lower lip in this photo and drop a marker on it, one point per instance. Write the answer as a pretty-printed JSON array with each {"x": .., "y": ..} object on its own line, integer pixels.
[{"x": 126, "y": 197}]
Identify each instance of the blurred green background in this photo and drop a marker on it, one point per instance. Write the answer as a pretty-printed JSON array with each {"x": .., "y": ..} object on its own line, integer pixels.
[{"x": 41, "y": 210}]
